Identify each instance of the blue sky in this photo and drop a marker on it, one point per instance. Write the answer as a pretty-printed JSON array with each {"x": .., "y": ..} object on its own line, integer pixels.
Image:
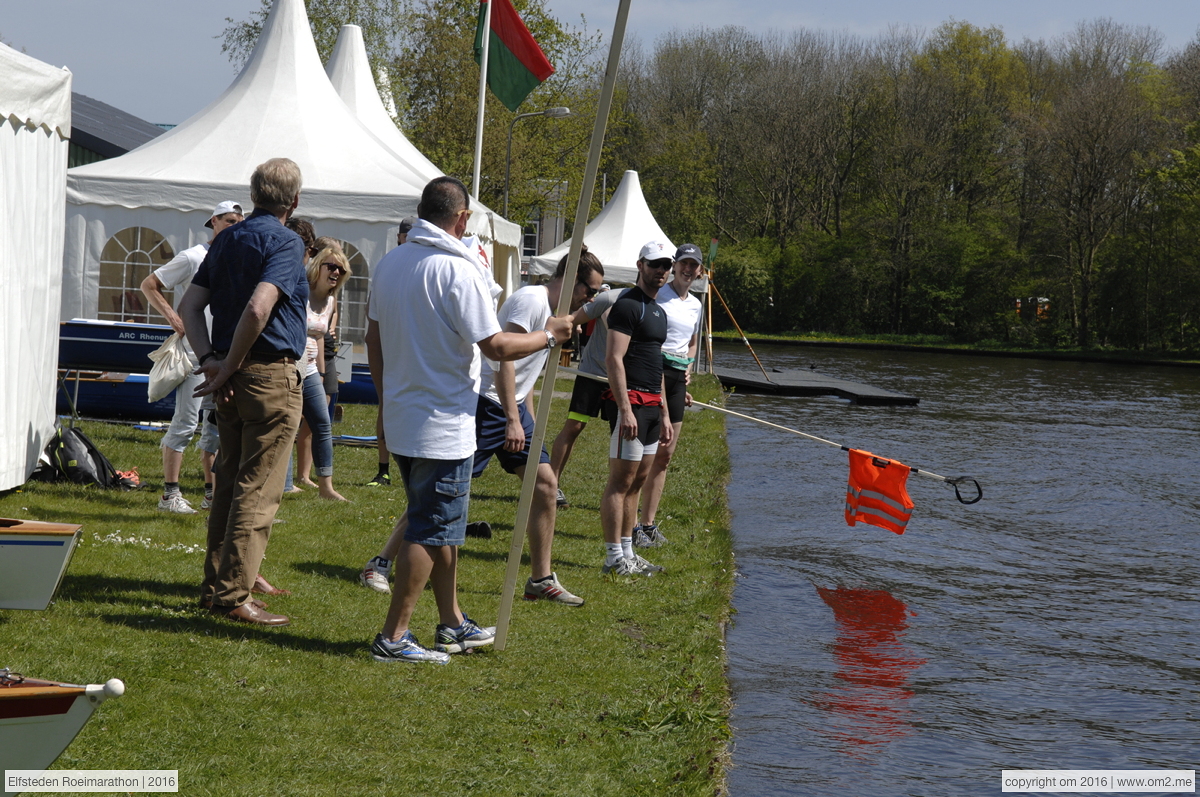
[{"x": 161, "y": 59}]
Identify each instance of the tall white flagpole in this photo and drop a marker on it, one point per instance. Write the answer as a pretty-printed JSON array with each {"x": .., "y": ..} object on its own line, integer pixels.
[
  {"x": 483, "y": 70},
  {"x": 542, "y": 417}
]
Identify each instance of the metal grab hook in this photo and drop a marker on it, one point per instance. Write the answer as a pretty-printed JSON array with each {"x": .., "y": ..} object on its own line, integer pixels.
[{"x": 966, "y": 480}]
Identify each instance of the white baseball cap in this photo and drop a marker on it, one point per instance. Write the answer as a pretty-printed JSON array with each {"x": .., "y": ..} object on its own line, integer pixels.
[
  {"x": 655, "y": 250},
  {"x": 228, "y": 206}
]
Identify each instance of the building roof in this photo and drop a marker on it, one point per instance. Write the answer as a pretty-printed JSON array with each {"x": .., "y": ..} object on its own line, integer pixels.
[{"x": 106, "y": 130}]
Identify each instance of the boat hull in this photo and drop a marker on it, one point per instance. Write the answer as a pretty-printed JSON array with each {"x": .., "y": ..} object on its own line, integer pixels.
[
  {"x": 33, "y": 559},
  {"x": 360, "y": 389},
  {"x": 113, "y": 395},
  {"x": 38, "y": 719},
  {"x": 91, "y": 344}
]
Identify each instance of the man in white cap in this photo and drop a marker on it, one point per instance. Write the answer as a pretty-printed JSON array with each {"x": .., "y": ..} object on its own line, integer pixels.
[
  {"x": 634, "y": 407},
  {"x": 177, "y": 275}
]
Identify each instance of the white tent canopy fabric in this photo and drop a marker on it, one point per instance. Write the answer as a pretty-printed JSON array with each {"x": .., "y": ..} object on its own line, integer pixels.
[
  {"x": 35, "y": 117},
  {"x": 616, "y": 235},
  {"x": 280, "y": 105},
  {"x": 350, "y": 73}
]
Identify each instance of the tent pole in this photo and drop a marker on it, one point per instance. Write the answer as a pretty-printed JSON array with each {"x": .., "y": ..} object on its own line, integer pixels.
[{"x": 564, "y": 305}]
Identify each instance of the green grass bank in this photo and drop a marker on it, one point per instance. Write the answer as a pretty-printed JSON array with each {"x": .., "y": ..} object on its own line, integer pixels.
[{"x": 625, "y": 695}]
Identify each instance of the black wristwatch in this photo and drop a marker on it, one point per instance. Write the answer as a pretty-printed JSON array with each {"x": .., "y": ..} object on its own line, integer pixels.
[{"x": 206, "y": 356}]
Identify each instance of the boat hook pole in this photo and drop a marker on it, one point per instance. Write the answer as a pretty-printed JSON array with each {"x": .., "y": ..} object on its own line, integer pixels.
[
  {"x": 713, "y": 286},
  {"x": 954, "y": 481}
]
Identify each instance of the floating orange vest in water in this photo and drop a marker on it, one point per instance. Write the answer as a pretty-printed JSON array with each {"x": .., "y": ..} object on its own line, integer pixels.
[{"x": 876, "y": 493}]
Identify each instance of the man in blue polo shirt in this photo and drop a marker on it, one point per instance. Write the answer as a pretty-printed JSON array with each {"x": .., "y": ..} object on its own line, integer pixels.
[{"x": 253, "y": 280}]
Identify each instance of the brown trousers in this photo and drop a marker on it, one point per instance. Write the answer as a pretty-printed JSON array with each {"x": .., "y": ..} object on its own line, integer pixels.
[{"x": 257, "y": 428}]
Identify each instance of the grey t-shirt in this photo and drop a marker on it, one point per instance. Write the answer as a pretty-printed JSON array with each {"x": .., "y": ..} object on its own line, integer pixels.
[{"x": 591, "y": 361}]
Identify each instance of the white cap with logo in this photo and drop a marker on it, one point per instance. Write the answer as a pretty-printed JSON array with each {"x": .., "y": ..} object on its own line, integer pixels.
[
  {"x": 655, "y": 250},
  {"x": 228, "y": 206}
]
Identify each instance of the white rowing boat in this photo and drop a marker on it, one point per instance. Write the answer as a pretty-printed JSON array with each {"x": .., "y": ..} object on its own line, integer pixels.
[
  {"x": 33, "y": 559},
  {"x": 38, "y": 719}
]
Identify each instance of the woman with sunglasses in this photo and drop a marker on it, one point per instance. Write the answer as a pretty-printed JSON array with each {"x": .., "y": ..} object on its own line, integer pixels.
[{"x": 327, "y": 273}]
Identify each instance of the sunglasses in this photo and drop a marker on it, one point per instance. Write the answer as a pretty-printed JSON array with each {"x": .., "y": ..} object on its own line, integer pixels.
[
  {"x": 591, "y": 292},
  {"x": 335, "y": 268}
]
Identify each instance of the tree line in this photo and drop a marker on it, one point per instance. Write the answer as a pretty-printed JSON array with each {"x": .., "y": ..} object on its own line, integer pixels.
[{"x": 905, "y": 183}]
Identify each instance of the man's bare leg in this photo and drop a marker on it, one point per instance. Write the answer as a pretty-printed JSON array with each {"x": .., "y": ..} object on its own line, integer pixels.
[{"x": 414, "y": 565}]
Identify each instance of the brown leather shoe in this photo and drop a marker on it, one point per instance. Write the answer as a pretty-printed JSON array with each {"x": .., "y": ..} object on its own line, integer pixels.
[
  {"x": 248, "y": 613},
  {"x": 207, "y": 603},
  {"x": 263, "y": 587}
]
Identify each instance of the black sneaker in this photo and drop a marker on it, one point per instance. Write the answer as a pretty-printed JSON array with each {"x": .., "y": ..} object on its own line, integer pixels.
[
  {"x": 381, "y": 480},
  {"x": 481, "y": 529}
]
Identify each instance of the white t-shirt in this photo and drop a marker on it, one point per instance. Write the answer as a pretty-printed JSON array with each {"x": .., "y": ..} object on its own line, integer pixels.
[
  {"x": 432, "y": 306},
  {"x": 177, "y": 275},
  {"x": 528, "y": 308},
  {"x": 683, "y": 319},
  {"x": 318, "y": 325}
]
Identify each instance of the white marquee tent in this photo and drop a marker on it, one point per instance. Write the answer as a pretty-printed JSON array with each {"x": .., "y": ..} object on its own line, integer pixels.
[
  {"x": 280, "y": 105},
  {"x": 350, "y": 73},
  {"x": 35, "y": 114},
  {"x": 616, "y": 235}
]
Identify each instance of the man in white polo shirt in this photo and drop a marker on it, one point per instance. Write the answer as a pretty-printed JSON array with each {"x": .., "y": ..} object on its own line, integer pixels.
[{"x": 430, "y": 315}]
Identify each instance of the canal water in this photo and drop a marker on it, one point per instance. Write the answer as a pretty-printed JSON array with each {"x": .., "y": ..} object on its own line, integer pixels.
[{"x": 1054, "y": 625}]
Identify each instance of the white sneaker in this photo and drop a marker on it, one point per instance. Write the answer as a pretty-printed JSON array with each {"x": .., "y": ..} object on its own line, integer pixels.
[
  {"x": 550, "y": 590},
  {"x": 375, "y": 576},
  {"x": 644, "y": 568},
  {"x": 175, "y": 503},
  {"x": 206, "y": 503}
]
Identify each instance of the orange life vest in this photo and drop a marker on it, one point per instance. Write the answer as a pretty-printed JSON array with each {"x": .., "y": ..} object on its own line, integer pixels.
[{"x": 876, "y": 493}]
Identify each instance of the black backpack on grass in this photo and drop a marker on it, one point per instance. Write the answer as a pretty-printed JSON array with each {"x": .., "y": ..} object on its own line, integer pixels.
[{"x": 75, "y": 458}]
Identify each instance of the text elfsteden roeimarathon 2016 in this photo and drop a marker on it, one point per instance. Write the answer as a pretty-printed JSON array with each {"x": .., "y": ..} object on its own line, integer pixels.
[{"x": 92, "y": 780}]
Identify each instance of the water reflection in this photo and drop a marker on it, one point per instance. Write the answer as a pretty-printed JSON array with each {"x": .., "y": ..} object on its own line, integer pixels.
[
  {"x": 1057, "y": 617},
  {"x": 868, "y": 706}
]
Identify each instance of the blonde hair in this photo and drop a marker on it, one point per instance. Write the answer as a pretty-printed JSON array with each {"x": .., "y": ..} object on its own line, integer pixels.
[
  {"x": 328, "y": 253},
  {"x": 326, "y": 242}
]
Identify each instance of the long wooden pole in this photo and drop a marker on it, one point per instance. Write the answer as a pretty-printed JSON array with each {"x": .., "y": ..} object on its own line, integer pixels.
[
  {"x": 564, "y": 304},
  {"x": 712, "y": 265}
]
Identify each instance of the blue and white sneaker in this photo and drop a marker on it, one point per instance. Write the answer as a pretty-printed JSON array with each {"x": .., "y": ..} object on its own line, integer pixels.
[
  {"x": 466, "y": 636},
  {"x": 407, "y": 648},
  {"x": 641, "y": 539}
]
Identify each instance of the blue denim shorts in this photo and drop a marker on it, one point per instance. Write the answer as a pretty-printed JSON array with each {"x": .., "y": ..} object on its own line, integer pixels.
[
  {"x": 490, "y": 428},
  {"x": 439, "y": 491}
]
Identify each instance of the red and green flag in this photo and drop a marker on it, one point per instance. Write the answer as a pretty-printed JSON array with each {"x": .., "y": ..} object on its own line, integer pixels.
[{"x": 516, "y": 64}]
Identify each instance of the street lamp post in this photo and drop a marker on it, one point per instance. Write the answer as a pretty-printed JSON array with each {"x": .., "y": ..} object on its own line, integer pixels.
[{"x": 551, "y": 113}]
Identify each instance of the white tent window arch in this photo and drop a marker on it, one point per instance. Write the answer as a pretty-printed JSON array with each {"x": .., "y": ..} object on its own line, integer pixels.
[
  {"x": 128, "y": 257},
  {"x": 352, "y": 309}
]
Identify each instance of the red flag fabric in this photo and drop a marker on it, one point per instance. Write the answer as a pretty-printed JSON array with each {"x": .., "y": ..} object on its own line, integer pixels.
[{"x": 516, "y": 64}]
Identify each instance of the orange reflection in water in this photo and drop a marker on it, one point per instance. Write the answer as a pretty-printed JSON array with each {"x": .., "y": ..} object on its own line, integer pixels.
[{"x": 873, "y": 665}]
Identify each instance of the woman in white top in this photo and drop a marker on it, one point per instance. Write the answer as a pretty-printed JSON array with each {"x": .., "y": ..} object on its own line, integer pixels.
[
  {"x": 679, "y": 352},
  {"x": 327, "y": 272}
]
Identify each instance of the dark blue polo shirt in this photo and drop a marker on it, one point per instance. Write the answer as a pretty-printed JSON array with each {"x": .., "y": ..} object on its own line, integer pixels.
[{"x": 259, "y": 249}]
